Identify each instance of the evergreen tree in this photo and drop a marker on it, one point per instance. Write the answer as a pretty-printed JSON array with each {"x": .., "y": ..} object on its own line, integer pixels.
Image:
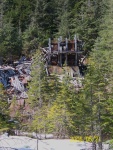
[
  {"x": 10, "y": 40},
  {"x": 59, "y": 116},
  {"x": 46, "y": 19},
  {"x": 19, "y": 13},
  {"x": 42, "y": 90},
  {"x": 103, "y": 48},
  {"x": 63, "y": 18},
  {"x": 101, "y": 78},
  {"x": 4, "y": 114},
  {"x": 87, "y": 18}
]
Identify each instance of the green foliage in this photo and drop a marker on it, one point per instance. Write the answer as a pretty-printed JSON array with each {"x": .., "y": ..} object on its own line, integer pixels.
[
  {"x": 63, "y": 18},
  {"x": 30, "y": 40},
  {"x": 19, "y": 13},
  {"x": 103, "y": 48},
  {"x": 10, "y": 40},
  {"x": 4, "y": 113},
  {"x": 29, "y": 24},
  {"x": 86, "y": 138},
  {"x": 38, "y": 80},
  {"x": 59, "y": 114},
  {"x": 50, "y": 100},
  {"x": 86, "y": 21}
]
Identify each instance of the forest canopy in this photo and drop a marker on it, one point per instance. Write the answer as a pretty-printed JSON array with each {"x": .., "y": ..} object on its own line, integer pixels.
[{"x": 25, "y": 24}]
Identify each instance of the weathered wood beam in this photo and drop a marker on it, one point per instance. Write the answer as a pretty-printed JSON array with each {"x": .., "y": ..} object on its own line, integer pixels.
[
  {"x": 50, "y": 45},
  {"x": 66, "y": 44}
]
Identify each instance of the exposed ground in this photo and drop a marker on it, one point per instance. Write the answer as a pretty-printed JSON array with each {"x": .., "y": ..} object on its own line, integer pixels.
[{"x": 25, "y": 143}]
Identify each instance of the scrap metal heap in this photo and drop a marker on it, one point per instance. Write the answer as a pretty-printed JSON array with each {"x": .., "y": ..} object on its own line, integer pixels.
[{"x": 15, "y": 80}]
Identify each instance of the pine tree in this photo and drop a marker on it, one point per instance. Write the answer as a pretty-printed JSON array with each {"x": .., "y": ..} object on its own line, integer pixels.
[
  {"x": 59, "y": 116},
  {"x": 87, "y": 18},
  {"x": 63, "y": 18},
  {"x": 101, "y": 78},
  {"x": 10, "y": 40},
  {"x": 42, "y": 90},
  {"x": 4, "y": 113}
]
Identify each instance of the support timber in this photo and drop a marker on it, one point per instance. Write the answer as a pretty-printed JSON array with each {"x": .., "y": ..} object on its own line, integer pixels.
[{"x": 64, "y": 52}]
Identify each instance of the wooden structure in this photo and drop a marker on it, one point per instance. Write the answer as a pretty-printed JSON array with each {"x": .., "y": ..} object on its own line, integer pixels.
[{"x": 65, "y": 52}]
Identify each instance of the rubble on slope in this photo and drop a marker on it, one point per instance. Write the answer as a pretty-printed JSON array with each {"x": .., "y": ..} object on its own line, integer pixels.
[{"x": 15, "y": 79}]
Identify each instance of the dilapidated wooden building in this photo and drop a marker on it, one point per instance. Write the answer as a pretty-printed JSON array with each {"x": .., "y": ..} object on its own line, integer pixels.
[{"x": 65, "y": 52}]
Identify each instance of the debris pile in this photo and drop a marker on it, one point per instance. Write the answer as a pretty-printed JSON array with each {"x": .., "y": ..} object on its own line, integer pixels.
[{"x": 15, "y": 79}]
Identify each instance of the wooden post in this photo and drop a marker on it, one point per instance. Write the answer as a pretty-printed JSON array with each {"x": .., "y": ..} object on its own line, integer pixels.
[
  {"x": 61, "y": 59},
  {"x": 75, "y": 39},
  {"x": 58, "y": 59},
  {"x": 49, "y": 45},
  {"x": 66, "y": 59},
  {"x": 58, "y": 45},
  {"x": 59, "y": 55},
  {"x": 66, "y": 44}
]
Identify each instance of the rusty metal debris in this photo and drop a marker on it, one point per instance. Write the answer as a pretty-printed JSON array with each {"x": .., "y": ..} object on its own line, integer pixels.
[{"x": 15, "y": 79}]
